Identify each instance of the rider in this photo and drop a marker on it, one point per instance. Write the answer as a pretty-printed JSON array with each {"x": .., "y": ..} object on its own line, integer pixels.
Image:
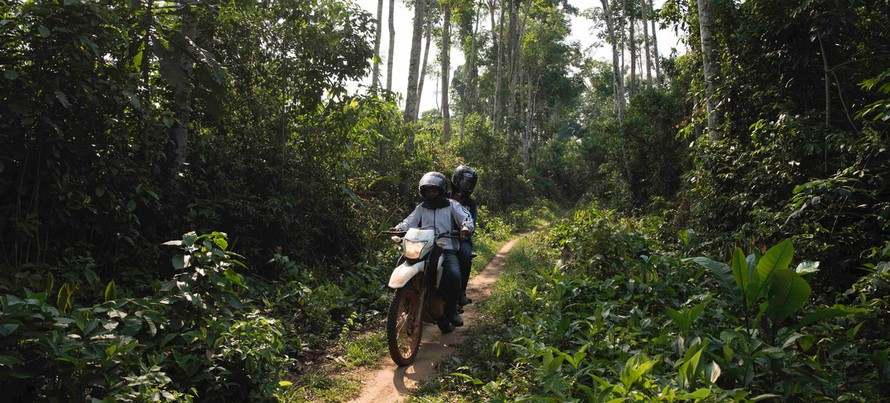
[
  {"x": 463, "y": 182},
  {"x": 445, "y": 215}
]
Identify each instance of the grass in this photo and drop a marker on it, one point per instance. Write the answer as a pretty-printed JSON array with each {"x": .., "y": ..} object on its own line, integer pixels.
[
  {"x": 477, "y": 351},
  {"x": 365, "y": 350},
  {"x": 337, "y": 380},
  {"x": 322, "y": 386}
]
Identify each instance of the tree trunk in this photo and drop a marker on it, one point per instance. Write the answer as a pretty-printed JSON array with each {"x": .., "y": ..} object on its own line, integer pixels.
[
  {"x": 182, "y": 103},
  {"x": 422, "y": 78},
  {"x": 498, "y": 73},
  {"x": 616, "y": 66},
  {"x": 392, "y": 45},
  {"x": 825, "y": 70},
  {"x": 705, "y": 19},
  {"x": 527, "y": 135},
  {"x": 446, "y": 66},
  {"x": 512, "y": 38},
  {"x": 470, "y": 73},
  {"x": 414, "y": 63},
  {"x": 633, "y": 55},
  {"x": 655, "y": 43},
  {"x": 645, "y": 14},
  {"x": 375, "y": 78},
  {"x": 619, "y": 84},
  {"x": 622, "y": 37},
  {"x": 515, "y": 60}
]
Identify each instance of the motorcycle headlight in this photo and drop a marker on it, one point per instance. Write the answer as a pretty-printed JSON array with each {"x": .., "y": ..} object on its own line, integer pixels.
[{"x": 412, "y": 249}]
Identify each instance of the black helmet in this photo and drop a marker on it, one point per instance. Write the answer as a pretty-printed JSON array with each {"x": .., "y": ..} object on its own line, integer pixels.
[
  {"x": 464, "y": 179},
  {"x": 433, "y": 180}
]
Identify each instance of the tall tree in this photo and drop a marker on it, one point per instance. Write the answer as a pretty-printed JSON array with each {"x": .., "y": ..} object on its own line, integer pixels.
[
  {"x": 182, "y": 96},
  {"x": 414, "y": 63},
  {"x": 499, "y": 68},
  {"x": 633, "y": 50},
  {"x": 616, "y": 64},
  {"x": 392, "y": 45},
  {"x": 644, "y": 6},
  {"x": 706, "y": 20},
  {"x": 619, "y": 83},
  {"x": 426, "y": 55},
  {"x": 375, "y": 78},
  {"x": 446, "y": 67},
  {"x": 470, "y": 27},
  {"x": 654, "y": 41}
]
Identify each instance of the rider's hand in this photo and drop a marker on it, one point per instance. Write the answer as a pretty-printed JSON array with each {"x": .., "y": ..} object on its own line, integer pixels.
[{"x": 465, "y": 233}]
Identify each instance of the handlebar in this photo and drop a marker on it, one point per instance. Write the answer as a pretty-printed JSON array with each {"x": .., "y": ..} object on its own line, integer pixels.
[
  {"x": 393, "y": 233},
  {"x": 449, "y": 234}
]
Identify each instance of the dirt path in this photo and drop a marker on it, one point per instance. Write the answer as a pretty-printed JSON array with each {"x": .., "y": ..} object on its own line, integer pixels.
[{"x": 391, "y": 383}]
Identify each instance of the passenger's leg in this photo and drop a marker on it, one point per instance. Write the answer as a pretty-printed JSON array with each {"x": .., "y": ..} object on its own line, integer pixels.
[
  {"x": 465, "y": 258},
  {"x": 450, "y": 286}
]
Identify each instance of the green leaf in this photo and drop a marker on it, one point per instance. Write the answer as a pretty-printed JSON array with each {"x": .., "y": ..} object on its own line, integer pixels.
[
  {"x": 776, "y": 258},
  {"x": 806, "y": 342},
  {"x": 7, "y": 329},
  {"x": 467, "y": 377},
  {"x": 110, "y": 291},
  {"x": 133, "y": 100},
  {"x": 181, "y": 261},
  {"x": 63, "y": 298},
  {"x": 724, "y": 275},
  {"x": 284, "y": 384},
  {"x": 91, "y": 45},
  {"x": 63, "y": 99},
  {"x": 698, "y": 394},
  {"x": 10, "y": 75},
  {"x": 678, "y": 318},
  {"x": 826, "y": 313},
  {"x": 789, "y": 292},
  {"x": 634, "y": 369},
  {"x": 851, "y": 334},
  {"x": 740, "y": 270},
  {"x": 44, "y": 31},
  {"x": 221, "y": 242},
  {"x": 9, "y": 361}
]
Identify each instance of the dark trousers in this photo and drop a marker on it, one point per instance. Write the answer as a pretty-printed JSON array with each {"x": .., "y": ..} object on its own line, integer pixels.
[
  {"x": 450, "y": 284},
  {"x": 465, "y": 257}
]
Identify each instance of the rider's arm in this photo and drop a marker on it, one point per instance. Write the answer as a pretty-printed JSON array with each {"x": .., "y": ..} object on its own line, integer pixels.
[
  {"x": 412, "y": 221},
  {"x": 462, "y": 216}
]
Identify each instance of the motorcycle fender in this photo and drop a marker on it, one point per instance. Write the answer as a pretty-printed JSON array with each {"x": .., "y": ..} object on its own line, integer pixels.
[
  {"x": 404, "y": 273},
  {"x": 439, "y": 270}
]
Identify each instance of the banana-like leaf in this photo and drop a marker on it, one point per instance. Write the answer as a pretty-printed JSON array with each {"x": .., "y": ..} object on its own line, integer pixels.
[
  {"x": 833, "y": 312},
  {"x": 724, "y": 275},
  {"x": 788, "y": 293},
  {"x": 776, "y": 259}
]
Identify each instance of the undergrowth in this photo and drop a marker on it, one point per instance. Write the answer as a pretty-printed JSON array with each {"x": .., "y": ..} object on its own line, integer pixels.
[{"x": 596, "y": 310}]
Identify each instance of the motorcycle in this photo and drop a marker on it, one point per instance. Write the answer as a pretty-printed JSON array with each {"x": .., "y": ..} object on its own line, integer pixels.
[{"x": 416, "y": 298}]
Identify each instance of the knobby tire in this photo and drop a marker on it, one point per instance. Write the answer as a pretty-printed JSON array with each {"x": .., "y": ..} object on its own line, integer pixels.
[{"x": 403, "y": 330}]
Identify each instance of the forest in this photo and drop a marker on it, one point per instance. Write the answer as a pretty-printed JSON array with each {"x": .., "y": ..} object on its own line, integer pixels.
[{"x": 192, "y": 194}]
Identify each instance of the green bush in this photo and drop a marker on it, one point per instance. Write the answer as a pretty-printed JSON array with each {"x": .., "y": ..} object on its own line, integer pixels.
[
  {"x": 194, "y": 339},
  {"x": 653, "y": 326}
]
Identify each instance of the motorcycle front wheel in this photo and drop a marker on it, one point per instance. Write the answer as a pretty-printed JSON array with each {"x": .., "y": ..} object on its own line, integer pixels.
[{"x": 404, "y": 328}]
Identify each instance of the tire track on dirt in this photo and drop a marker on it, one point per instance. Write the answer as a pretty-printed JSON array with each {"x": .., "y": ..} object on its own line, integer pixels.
[{"x": 392, "y": 383}]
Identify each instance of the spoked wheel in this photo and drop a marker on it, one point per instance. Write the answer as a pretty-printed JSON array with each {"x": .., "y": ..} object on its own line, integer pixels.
[{"x": 404, "y": 328}]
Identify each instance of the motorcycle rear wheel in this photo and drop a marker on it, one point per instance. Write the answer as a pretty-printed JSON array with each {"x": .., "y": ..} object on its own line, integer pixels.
[{"x": 404, "y": 329}]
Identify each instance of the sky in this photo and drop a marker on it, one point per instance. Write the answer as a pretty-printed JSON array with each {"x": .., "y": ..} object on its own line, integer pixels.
[{"x": 582, "y": 32}]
